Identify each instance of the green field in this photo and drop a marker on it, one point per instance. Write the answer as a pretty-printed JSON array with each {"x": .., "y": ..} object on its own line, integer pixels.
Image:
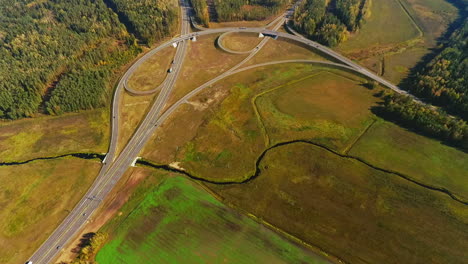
[
  {"x": 350, "y": 210},
  {"x": 388, "y": 24},
  {"x": 226, "y": 137},
  {"x": 389, "y": 146},
  {"x": 34, "y": 198},
  {"x": 179, "y": 222},
  {"x": 325, "y": 107},
  {"x": 52, "y": 136}
]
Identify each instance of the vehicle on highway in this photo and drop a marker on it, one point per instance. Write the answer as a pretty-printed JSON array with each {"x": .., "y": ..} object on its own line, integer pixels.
[
  {"x": 29, "y": 262},
  {"x": 170, "y": 70}
]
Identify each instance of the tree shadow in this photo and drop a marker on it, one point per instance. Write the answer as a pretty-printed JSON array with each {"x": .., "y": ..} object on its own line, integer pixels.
[{"x": 85, "y": 240}]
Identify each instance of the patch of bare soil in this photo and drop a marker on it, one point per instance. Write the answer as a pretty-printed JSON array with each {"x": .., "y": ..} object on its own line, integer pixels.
[{"x": 116, "y": 199}]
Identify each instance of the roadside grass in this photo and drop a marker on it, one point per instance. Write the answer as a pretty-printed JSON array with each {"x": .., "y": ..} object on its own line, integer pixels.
[
  {"x": 152, "y": 72},
  {"x": 132, "y": 111},
  {"x": 241, "y": 41},
  {"x": 325, "y": 108},
  {"x": 388, "y": 24},
  {"x": 203, "y": 62},
  {"x": 34, "y": 198},
  {"x": 394, "y": 148},
  {"x": 48, "y": 136},
  {"x": 398, "y": 65},
  {"x": 282, "y": 49},
  {"x": 350, "y": 210},
  {"x": 180, "y": 216}
]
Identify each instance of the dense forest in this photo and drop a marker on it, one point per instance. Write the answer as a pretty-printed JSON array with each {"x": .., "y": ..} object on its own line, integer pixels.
[
  {"x": 201, "y": 12},
  {"x": 328, "y": 22},
  {"x": 149, "y": 20},
  {"x": 425, "y": 119},
  {"x": 234, "y": 10},
  {"x": 60, "y": 56},
  {"x": 444, "y": 81}
]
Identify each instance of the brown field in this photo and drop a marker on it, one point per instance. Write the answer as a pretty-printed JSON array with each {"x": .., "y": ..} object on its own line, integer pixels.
[
  {"x": 133, "y": 110},
  {"x": 54, "y": 135},
  {"x": 152, "y": 72},
  {"x": 241, "y": 41},
  {"x": 34, "y": 198},
  {"x": 203, "y": 62},
  {"x": 350, "y": 210},
  {"x": 281, "y": 49}
]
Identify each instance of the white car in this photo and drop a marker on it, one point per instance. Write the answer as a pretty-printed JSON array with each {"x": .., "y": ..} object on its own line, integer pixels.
[{"x": 29, "y": 262}]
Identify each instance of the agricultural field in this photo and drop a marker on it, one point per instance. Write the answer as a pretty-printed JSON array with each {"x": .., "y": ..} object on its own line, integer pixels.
[
  {"x": 326, "y": 107},
  {"x": 388, "y": 24},
  {"x": 352, "y": 211},
  {"x": 49, "y": 136},
  {"x": 234, "y": 115},
  {"x": 179, "y": 222},
  {"x": 389, "y": 146},
  {"x": 34, "y": 199}
]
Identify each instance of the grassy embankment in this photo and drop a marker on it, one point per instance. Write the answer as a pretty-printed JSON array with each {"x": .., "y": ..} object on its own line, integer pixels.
[
  {"x": 34, "y": 198},
  {"x": 179, "y": 222}
]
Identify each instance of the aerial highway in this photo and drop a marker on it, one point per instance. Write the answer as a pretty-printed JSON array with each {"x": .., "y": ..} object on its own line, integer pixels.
[
  {"x": 113, "y": 167},
  {"x": 115, "y": 164}
]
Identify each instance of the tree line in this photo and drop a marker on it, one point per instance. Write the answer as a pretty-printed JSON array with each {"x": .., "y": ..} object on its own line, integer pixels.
[
  {"x": 425, "y": 119},
  {"x": 61, "y": 56},
  {"x": 201, "y": 12},
  {"x": 329, "y": 22},
  {"x": 235, "y": 10},
  {"x": 444, "y": 81}
]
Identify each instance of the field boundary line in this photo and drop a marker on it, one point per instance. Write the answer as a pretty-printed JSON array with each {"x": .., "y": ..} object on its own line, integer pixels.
[
  {"x": 253, "y": 101},
  {"x": 314, "y": 248},
  {"x": 351, "y": 145}
]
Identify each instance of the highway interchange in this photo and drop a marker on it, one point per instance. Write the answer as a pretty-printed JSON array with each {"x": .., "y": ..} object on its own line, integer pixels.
[{"x": 114, "y": 166}]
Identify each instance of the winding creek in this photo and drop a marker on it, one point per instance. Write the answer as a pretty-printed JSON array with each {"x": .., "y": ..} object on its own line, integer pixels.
[{"x": 258, "y": 171}]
